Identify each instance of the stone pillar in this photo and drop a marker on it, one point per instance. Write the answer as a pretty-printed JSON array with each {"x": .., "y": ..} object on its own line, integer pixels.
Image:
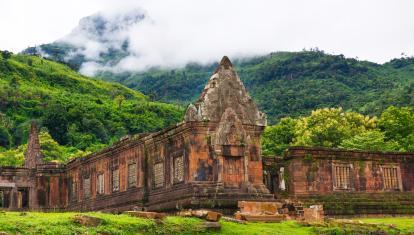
[{"x": 33, "y": 155}]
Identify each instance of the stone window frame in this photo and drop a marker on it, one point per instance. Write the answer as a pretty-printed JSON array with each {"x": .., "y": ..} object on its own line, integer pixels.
[
  {"x": 387, "y": 183},
  {"x": 349, "y": 180},
  {"x": 74, "y": 189},
  {"x": 98, "y": 184},
  {"x": 115, "y": 187},
  {"x": 173, "y": 171},
  {"x": 87, "y": 192},
  {"x": 128, "y": 176},
  {"x": 115, "y": 169},
  {"x": 158, "y": 159}
]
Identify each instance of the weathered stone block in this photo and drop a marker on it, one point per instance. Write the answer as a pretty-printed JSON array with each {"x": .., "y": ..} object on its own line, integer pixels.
[
  {"x": 86, "y": 220},
  {"x": 213, "y": 216},
  {"x": 259, "y": 207},
  {"x": 263, "y": 218},
  {"x": 313, "y": 214}
]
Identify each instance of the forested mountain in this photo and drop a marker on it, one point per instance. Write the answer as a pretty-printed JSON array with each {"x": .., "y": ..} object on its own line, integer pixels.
[
  {"x": 75, "y": 110},
  {"x": 291, "y": 83}
]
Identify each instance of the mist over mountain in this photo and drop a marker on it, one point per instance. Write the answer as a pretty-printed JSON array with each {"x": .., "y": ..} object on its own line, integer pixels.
[
  {"x": 133, "y": 49},
  {"x": 99, "y": 42}
]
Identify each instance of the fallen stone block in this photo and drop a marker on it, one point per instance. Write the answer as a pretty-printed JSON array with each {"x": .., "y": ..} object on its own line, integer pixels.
[
  {"x": 238, "y": 216},
  {"x": 185, "y": 213},
  {"x": 252, "y": 207},
  {"x": 263, "y": 218},
  {"x": 235, "y": 220},
  {"x": 87, "y": 220},
  {"x": 210, "y": 226},
  {"x": 202, "y": 214},
  {"x": 314, "y": 213},
  {"x": 213, "y": 216},
  {"x": 146, "y": 214},
  {"x": 199, "y": 213}
]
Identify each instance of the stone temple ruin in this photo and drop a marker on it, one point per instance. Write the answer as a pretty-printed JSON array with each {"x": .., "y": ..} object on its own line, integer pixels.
[{"x": 211, "y": 160}]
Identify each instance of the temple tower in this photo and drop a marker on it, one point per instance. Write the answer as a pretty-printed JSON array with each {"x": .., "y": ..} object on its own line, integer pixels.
[{"x": 235, "y": 125}]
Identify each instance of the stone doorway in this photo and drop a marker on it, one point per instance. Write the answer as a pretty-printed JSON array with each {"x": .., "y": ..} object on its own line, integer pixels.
[
  {"x": 233, "y": 171},
  {"x": 22, "y": 198},
  {"x": 4, "y": 198}
]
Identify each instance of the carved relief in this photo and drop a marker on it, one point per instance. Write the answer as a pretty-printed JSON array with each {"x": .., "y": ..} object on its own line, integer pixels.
[{"x": 230, "y": 130}]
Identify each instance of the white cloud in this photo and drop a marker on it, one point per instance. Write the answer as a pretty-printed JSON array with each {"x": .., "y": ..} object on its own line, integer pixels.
[{"x": 182, "y": 31}]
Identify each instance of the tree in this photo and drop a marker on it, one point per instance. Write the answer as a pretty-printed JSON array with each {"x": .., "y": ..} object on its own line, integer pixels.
[
  {"x": 57, "y": 122},
  {"x": 13, "y": 157},
  {"x": 6, "y": 54},
  {"x": 373, "y": 140},
  {"x": 119, "y": 99},
  {"x": 278, "y": 137},
  {"x": 5, "y": 138},
  {"x": 398, "y": 125},
  {"x": 330, "y": 126}
]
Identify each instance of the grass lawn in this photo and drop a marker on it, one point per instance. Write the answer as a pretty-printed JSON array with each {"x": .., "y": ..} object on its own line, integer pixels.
[
  {"x": 62, "y": 223},
  {"x": 405, "y": 224}
]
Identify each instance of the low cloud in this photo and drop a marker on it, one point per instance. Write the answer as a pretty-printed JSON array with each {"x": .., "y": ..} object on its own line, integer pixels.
[{"x": 173, "y": 33}]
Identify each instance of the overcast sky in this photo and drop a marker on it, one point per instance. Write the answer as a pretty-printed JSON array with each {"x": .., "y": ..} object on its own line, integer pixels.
[{"x": 190, "y": 30}]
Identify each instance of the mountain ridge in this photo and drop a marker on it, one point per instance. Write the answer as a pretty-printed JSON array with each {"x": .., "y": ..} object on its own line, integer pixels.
[{"x": 75, "y": 110}]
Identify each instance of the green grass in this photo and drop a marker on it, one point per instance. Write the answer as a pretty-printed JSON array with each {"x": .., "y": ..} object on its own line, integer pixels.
[
  {"x": 62, "y": 223},
  {"x": 287, "y": 227},
  {"x": 404, "y": 224}
]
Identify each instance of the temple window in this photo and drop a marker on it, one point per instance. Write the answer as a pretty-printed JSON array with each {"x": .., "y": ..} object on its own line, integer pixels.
[
  {"x": 73, "y": 189},
  {"x": 115, "y": 180},
  {"x": 158, "y": 174},
  {"x": 87, "y": 187},
  {"x": 178, "y": 169},
  {"x": 132, "y": 175},
  {"x": 100, "y": 184},
  {"x": 390, "y": 178},
  {"x": 342, "y": 176}
]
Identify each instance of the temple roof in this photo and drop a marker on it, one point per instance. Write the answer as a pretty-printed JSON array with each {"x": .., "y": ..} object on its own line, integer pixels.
[{"x": 223, "y": 91}]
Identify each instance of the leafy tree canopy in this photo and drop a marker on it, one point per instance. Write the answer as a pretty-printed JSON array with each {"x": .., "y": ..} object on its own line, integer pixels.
[
  {"x": 336, "y": 128},
  {"x": 78, "y": 112}
]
